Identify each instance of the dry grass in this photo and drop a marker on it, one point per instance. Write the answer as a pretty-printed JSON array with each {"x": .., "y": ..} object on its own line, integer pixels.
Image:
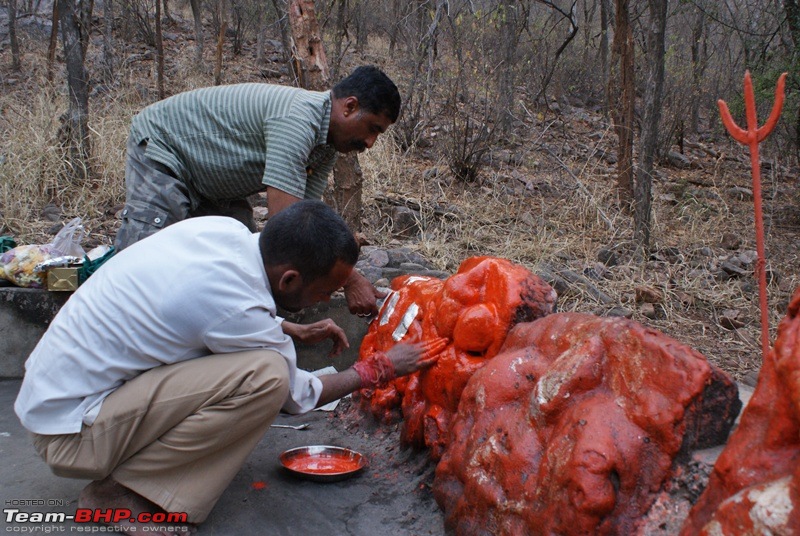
[
  {"x": 573, "y": 212},
  {"x": 545, "y": 201}
]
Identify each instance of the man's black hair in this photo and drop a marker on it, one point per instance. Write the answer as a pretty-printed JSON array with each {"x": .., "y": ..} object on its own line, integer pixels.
[
  {"x": 376, "y": 93},
  {"x": 309, "y": 236}
]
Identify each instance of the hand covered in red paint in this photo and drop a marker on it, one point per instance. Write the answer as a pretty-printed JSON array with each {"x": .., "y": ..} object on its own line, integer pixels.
[
  {"x": 408, "y": 358},
  {"x": 381, "y": 367},
  {"x": 318, "y": 332}
]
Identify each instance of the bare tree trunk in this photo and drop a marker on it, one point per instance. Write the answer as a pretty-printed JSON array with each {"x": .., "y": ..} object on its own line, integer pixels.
[
  {"x": 572, "y": 18},
  {"x": 362, "y": 17},
  {"x": 508, "y": 50},
  {"x": 282, "y": 11},
  {"x": 75, "y": 127},
  {"x": 698, "y": 47},
  {"x": 341, "y": 37},
  {"x": 167, "y": 14},
  {"x": 12, "y": 35},
  {"x": 348, "y": 190},
  {"x": 395, "y": 27},
  {"x": 108, "y": 40},
  {"x": 222, "y": 6},
  {"x": 604, "y": 21},
  {"x": 313, "y": 68},
  {"x": 198, "y": 32},
  {"x": 260, "y": 36},
  {"x": 85, "y": 22},
  {"x": 307, "y": 50},
  {"x": 793, "y": 20},
  {"x": 623, "y": 97},
  {"x": 51, "y": 49},
  {"x": 159, "y": 52},
  {"x": 653, "y": 93}
]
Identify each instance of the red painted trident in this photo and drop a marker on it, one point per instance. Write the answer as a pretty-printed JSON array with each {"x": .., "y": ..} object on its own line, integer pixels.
[{"x": 752, "y": 137}]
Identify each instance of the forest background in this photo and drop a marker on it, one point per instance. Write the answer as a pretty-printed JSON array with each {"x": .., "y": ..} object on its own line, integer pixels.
[{"x": 580, "y": 138}]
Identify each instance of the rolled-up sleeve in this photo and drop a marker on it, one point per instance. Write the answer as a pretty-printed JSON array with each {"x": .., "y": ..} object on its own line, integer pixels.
[{"x": 256, "y": 328}]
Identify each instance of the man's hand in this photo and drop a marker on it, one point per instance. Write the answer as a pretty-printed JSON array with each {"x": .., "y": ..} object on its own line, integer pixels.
[
  {"x": 318, "y": 332},
  {"x": 380, "y": 368},
  {"x": 408, "y": 358},
  {"x": 361, "y": 295}
]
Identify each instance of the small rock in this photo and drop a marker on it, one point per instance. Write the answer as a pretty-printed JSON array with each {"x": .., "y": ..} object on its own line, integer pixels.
[
  {"x": 596, "y": 271},
  {"x": 397, "y": 256},
  {"x": 751, "y": 378},
  {"x": 620, "y": 312},
  {"x": 411, "y": 267},
  {"x": 678, "y": 160},
  {"x": 731, "y": 241},
  {"x": 52, "y": 212},
  {"x": 729, "y": 319},
  {"x": 740, "y": 193},
  {"x": 608, "y": 257},
  {"x": 648, "y": 295},
  {"x": 431, "y": 173},
  {"x": 685, "y": 299},
  {"x": 668, "y": 198},
  {"x": 260, "y": 213},
  {"x": 747, "y": 258},
  {"x": 405, "y": 222},
  {"x": 722, "y": 275},
  {"x": 648, "y": 310},
  {"x": 372, "y": 273},
  {"x": 705, "y": 251},
  {"x": 730, "y": 266},
  {"x": 376, "y": 257},
  {"x": 748, "y": 287}
]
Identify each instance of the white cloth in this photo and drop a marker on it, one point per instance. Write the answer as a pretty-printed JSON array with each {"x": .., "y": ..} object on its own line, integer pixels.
[{"x": 196, "y": 288}]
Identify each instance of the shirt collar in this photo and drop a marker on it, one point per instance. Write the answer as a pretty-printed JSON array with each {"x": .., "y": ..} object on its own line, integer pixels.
[{"x": 322, "y": 137}]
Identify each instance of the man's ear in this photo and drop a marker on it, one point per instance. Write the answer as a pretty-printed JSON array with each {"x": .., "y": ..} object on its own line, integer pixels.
[
  {"x": 350, "y": 105},
  {"x": 290, "y": 281}
]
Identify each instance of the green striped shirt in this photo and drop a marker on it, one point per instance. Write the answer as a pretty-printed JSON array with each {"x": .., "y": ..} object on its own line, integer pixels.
[{"x": 227, "y": 142}]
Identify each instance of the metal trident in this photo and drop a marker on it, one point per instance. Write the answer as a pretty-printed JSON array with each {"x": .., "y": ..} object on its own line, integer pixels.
[{"x": 752, "y": 137}]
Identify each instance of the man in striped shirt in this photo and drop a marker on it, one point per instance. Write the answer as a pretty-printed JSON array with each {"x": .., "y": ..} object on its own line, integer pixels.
[{"x": 203, "y": 152}]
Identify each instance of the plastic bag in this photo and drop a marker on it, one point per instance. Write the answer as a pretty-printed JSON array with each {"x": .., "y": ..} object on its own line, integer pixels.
[
  {"x": 68, "y": 240},
  {"x": 18, "y": 265}
]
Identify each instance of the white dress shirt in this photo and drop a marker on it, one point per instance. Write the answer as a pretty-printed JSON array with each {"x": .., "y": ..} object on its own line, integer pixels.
[{"x": 195, "y": 288}]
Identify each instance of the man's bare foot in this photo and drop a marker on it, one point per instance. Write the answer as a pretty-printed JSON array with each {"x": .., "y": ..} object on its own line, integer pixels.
[{"x": 111, "y": 498}]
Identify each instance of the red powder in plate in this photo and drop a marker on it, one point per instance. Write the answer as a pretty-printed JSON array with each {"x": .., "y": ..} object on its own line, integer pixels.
[{"x": 323, "y": 465}]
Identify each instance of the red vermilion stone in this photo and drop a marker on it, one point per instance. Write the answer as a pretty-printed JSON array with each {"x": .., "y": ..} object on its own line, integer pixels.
[
  {"x": 574, "y": 427},
  {"x": 474, "y": 309},
  {"x": 755, "y": 484}
]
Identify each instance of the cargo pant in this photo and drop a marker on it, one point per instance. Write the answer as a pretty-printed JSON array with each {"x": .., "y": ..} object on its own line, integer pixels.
[
  {"x": 177, "y": 434},
  {"x": 156, "y": 198}
]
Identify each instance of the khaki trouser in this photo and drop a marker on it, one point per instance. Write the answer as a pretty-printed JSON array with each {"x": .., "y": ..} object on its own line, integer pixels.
[{"x": 177, "y": 434}]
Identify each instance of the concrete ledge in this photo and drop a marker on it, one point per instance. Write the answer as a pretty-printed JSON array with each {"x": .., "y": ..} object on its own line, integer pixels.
[{"x": 25, "y": 315}]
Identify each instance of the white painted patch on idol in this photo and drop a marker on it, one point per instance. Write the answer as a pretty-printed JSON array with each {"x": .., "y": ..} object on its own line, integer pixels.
[
  {"x": 387, "y": 309},
  {"x": 771, "y": 506},
  {"x": 408, "y": 318}
]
